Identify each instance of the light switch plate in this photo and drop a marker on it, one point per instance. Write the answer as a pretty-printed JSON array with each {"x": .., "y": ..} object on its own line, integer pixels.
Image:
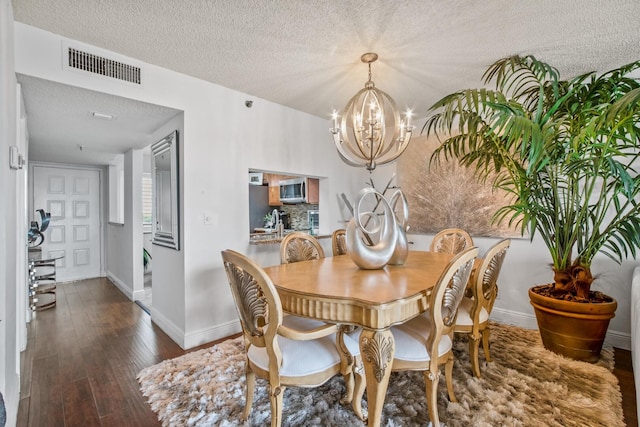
[
  {"x": 14, "y": 157},
  {"x": 210, "y": 218}
]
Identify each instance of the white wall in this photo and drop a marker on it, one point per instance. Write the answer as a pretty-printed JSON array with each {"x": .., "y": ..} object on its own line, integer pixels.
[
  {"x": 220, "y": 141},
  {"x": 11, "y": 186},
  {"x": 124, "y": 241},
  {"x": 169, "y": 289}
]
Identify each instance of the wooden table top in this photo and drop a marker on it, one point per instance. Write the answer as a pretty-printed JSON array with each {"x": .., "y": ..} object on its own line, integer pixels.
[{"x": 335, "y": 289}]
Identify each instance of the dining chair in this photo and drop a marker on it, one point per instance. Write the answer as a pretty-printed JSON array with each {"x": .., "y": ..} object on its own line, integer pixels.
[
  {"x": 299, "y": 246},
  {"x": 426, "y": 341},
  {"x": 474, "y": 311},
  {"x": 451, "y": 241},
  {"x": 339, "y": 242},
  {"x": 293, "y": 352}
]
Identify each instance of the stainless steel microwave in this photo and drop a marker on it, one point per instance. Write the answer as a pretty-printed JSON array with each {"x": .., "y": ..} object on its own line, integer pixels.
[{"x": 293, "y": 190}]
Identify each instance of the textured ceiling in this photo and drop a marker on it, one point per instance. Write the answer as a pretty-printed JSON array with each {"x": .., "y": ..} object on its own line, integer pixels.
[
  {"x": 306, "y": 54},
  {"x": 62, "y": 128}
]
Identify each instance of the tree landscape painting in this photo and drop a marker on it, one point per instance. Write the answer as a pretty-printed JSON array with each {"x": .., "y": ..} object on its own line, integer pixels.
[{"x": 446, "y": 195}]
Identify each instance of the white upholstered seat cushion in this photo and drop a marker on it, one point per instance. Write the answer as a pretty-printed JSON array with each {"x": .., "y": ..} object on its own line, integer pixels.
[
  {"x": 464, "y": 313},
  {"x": 302, "y": 358},
  {"x": 301, "y": 323},
  {"x": 411, "y": 340}
]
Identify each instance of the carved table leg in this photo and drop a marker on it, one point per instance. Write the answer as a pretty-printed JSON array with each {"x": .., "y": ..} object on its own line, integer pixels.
[{"x": 377, "y": 348}]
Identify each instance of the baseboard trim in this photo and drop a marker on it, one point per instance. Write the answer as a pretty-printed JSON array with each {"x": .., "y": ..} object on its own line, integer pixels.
[
  {"x": 194, "y": 339},
  {"x": 618, "y": 339},
  {"x": 614, "y": 338},
  {"x": 121, "y": 285},
  {"x": 515, "y": 318},
  {"x": 213, "y": 333},
  {"x": 136, "y": 295},
  {"x": 169, "y": 328}
]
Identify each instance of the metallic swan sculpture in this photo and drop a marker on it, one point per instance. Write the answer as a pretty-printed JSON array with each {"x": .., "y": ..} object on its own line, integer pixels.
[
  {"x": 402, "y": 245},
  {"x": 378, "y": 255}
]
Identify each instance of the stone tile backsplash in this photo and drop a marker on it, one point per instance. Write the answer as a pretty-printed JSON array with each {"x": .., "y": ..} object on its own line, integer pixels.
[{"x": 298, "y": 214}]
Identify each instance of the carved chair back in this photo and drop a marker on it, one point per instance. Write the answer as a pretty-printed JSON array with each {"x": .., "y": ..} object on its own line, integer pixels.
[
  {"x": 339, "y": 242},
  {"x": 485, "y": 288},
  {"x": 299, "y": 246},
  {"x": 451, "y": 241},
  {"x": 446, "y": 298},
  {"x": 257, "y": 301}
]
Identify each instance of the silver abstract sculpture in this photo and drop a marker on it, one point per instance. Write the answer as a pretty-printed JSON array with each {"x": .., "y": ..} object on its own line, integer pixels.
[
  {"x": 372, "y": 257},
  {"x": 402, "y": 223},
  {"x": 34, "y": 235}
]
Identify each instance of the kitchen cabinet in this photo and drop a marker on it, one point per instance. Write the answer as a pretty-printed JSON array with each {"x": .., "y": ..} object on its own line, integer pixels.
[
  {"x": 274, "y": 195},
  {"x": 313, "y": 191},
  {"x": 274, "y": 187}
]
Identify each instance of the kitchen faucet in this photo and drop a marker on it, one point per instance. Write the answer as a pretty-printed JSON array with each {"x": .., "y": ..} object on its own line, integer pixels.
[
  {"x": 277, "y": 223},
  {"x": 275, "y": 217}
]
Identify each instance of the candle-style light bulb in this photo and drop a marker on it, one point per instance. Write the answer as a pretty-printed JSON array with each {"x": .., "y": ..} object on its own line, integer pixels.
[
  {"x": 334, "y": 116},
  {"x": 409, "y": 113}
]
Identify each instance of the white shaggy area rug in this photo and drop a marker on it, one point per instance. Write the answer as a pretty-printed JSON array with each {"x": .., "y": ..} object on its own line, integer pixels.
[{"x": 525, "y": 385}]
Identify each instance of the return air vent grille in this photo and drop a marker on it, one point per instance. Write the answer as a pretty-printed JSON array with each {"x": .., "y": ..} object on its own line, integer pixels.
[{"x": 103, "y": 66}]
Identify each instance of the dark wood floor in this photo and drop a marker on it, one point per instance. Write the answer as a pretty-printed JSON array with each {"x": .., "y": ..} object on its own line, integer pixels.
[
  {"x": 82, "y": 357},
  {"x": 624, "y": 371}
]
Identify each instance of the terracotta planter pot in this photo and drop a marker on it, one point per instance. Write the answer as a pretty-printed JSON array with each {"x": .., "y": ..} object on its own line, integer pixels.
[{"x": 572, "y": 329}]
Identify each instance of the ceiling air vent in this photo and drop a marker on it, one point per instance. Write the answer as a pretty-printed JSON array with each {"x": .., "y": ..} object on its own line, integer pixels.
[{"x": 103, "y": 66}]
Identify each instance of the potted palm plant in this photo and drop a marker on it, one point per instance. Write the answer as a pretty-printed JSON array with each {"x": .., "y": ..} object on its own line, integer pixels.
[
  {"x": 567, "y": 151},
  {"x": 146, "y": 258}
]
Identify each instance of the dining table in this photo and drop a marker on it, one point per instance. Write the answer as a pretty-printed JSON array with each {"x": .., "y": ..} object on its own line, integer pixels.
[{"x": 334, "y": 289}]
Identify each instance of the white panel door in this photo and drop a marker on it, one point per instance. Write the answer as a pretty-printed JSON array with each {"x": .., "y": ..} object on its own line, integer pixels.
[{"x": 72, "y": 196}]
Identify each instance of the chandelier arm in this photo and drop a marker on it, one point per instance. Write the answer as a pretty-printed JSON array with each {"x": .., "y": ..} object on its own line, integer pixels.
[{"x": 346, "y": 150}]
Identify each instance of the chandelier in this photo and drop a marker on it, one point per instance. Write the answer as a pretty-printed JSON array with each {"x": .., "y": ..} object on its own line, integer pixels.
[{"x": 369, "y": 132}]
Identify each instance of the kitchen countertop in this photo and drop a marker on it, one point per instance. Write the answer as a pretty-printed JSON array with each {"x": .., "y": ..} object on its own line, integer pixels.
[{"x": 270, "y": 238}]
